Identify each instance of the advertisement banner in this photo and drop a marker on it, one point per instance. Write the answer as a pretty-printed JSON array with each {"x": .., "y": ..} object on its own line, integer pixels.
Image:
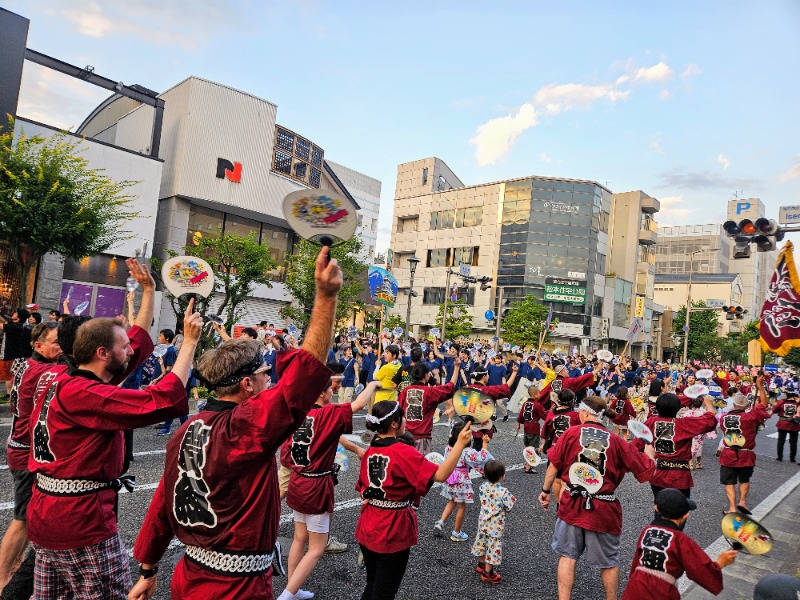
[
  {"x": 559, "y": 289},
  {"x": 639, "y": 310},
  {"x": 637, "y": 326},
  {"x": 382, "y": 286}
]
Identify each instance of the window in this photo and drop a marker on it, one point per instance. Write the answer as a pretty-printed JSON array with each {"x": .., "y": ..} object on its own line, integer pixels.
[
  {"x": 406, "y": 224},
  {"x": 442, "y": 219},
  {"x": 438, "y": 258},
  {"x": 294, "y": 157},
  {"x": 242, "y": 227},
  {"x": 436, "y": 295},
  {"x": 203, "y": 222},
  {"x": 465, "y": 256},
  {"x": 425, "y": 176},
  {"x": 469, "y": 217}
]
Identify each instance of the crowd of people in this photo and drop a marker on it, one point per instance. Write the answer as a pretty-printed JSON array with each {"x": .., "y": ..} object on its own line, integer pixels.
[{"x": 84, "y": 384}]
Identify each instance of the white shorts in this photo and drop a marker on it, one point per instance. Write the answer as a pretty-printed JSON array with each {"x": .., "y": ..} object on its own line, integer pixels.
[{"x": 314, "y": 523}]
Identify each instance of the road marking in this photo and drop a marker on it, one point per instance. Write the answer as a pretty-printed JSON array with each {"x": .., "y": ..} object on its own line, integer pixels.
[{"x": 759, "y": 512}]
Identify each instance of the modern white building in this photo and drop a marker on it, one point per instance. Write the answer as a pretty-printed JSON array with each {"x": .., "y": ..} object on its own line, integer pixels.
[{"x": 367, "y": 192}]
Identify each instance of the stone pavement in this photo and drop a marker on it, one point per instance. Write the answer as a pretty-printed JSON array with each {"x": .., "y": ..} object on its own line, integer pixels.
[{"x": 780, "y": 514}]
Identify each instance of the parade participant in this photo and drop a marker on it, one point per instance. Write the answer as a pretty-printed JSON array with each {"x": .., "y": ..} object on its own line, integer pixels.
[
  {"x": 591, "y": 522},
  {"x": 402, "y": 378},
  {"x": 77, "y": 450},
  {"x": 621, "y": 405},
  {"x": 458, "y": 487},
  {"x": 386, "y": 374},
  {"x": 737, "y": 459},
  {"x": 697, "y": 410},
  {"x": 653, "y": 393},
  {"x": 496, "y": 501},
  {"x": 563, "y": 382},
  {"x": 419, "y": 401},
  {"x": 672, "y": 441},
  {"x": 480, "y": 378},
  {"x": 393, "y": 475},
  {"x": 559, "y": 419},
  {"x": 349, "y": 380},
  {"x": 46, "y": 352},
  {"x": 219, "y": 491},
  {"x": 530, "y": 414},
  {"x": 788, "y": 424},
  {"x": 16, "y": 344},
  {"x": 664, "y": 553},
  {"x": 312, "y": 449}
]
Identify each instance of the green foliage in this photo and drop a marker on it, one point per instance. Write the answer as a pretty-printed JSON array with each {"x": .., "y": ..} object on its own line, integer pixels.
[
  {"x": 523, "y": 324},
  {"x": 704, "y": 343},
  {"x": 733, "y": 349},
  {"x": 239, "y": 264},
  {"x": 459, "y": 321},
  {"x": 393, "y": 321},
  {"x": 792, "y": 358},
  {"x": 51, "y": 201},
  {"x": 301, "y": 284}
]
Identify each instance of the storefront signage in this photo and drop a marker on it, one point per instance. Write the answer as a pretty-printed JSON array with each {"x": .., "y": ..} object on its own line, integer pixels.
[
  {"x": 639, "y": 310},
  {"x": 562, "y": 207},
  {"x": 558, "y": 289},
  {"x": 228, "y": 170}
]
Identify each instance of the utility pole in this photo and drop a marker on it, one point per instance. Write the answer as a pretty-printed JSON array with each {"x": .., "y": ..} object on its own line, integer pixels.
[
  {"x": 499, "y": 316},
  {"x": 446, "y": 297}
]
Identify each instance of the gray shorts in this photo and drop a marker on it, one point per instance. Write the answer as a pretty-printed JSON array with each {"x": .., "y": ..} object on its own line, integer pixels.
[
  {"x": 23, "y": 489},
  {"x": 602, "y": 549},
  {"x": 532, "y": 439},
  {"x": 423, "y": 445}
]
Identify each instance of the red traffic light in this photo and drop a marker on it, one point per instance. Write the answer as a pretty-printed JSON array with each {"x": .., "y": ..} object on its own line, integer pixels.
[{"x": 747, "y": 227}]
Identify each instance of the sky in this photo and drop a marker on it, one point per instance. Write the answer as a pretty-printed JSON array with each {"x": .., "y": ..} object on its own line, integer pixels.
[{"x": 694, "y": 103}]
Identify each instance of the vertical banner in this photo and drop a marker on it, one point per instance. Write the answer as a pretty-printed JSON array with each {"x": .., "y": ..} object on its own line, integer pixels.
[
  {"x": 780, "y": 315},
  {"x": 382, "y": 286}
]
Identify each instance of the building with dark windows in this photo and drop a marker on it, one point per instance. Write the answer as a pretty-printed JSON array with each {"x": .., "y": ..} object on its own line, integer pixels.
[{"x": 543, "y": 236}]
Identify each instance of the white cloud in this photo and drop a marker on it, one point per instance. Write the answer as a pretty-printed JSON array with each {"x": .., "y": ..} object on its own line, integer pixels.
[
  {"x": 690, "y": 71},
  {"x": 672, "y": 211},
  {"x": 792, "y": 173},
  {"x": 724, "y": 161},
  {"x": 656, "y": 73},
  {"x": 545, "y": 158},
  {"x": 665, "y": 94},
  {"x": 90, "y": 20},
  {"x": 494, "y": 139}
]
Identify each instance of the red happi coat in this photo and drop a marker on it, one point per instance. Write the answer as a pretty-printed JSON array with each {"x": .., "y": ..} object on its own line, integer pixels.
[
  {"x": 624, "y": 409},
  {"x": 672, "y": 441},
  {"x": 22, "y": 395},
  {"x": 76, "y": 433},
  {"x": 575, "y": 384},
  {"x": 664, "y": 553},
  {"x": 786, "y": 410},
  {"x": 746, "y": 423},
  {"x": 557, "y": 421},
  {"x": 419, "y": 403},
  {"x": 593, "y": 444},
  {"x": 312, "y": 449},
  {"x": 394, "y": 471},
  {"x": 220, "y": 486},
  {"x": 529, "y": 415}
]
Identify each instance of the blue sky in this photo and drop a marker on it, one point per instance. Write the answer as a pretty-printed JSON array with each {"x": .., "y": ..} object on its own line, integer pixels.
[{"x": 691, "y": 102}]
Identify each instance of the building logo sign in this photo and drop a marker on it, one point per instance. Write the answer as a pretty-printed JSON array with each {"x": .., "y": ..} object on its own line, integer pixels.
[
  {"x": 742, "y": 206},
  {"x": 558, "y": 289},
  {"x": 562, "y": 207},
  {"x": 228, "y": 170}
]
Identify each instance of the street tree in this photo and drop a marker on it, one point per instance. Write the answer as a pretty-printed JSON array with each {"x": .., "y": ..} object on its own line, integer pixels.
[
  {"x": 392, "y": 321},
  {"x": 239, "y": 264},
  {"x": 300, "y": 281},
  {"x": 523, "y": 324},
  {"x": 704, "y": 343},
  {"x": 459, "y": 321},
  {"x": 733, "y": 348},
  {"x": 52, "y": 201}
]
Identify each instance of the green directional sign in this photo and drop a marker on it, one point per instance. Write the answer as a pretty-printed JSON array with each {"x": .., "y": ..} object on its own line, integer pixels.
[{"x": 558, "y": 289}]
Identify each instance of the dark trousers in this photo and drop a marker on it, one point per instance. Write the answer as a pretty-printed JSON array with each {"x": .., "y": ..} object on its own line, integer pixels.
[
  {"x": 687, "y": 492},
  {"x": 128, "y": 435},
  {"x": 792, "y": 443},
  {"x": 384, "y": 573}
]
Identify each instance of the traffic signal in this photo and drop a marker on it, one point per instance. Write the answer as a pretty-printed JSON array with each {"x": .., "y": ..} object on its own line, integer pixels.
[
  {"x": 764, "y": 233},
  {"x": 505, "y": 308},
  {"x": 484, "y": 281},
  {"x": 734, "y": 312}
]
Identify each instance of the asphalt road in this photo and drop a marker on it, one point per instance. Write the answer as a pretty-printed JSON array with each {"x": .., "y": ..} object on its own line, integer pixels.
[{"x": 440, "y": 568}]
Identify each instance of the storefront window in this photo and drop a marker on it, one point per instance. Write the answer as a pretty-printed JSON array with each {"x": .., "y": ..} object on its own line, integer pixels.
[
  {"x": 241, "y": 226},
  {"x": 203, "y": 222}
]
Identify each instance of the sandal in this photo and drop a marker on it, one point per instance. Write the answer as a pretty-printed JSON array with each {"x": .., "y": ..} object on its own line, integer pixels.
[{"x": 743, "y": 509}]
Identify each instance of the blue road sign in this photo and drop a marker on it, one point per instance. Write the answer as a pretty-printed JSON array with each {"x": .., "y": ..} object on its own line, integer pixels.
[{"x": 489, "y": 314}]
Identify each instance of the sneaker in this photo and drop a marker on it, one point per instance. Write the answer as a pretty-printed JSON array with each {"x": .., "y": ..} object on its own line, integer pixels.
[
  {"x": 437, "y": 529},
  {"x": 335, "y": 546},
  {"x": 479, "y": 568},
  {"x": 491, "y": 577},
  {"x": 505, "y": 418},
  {"x": 458, "y": 536},
  {"x": 304, "y": 595}
]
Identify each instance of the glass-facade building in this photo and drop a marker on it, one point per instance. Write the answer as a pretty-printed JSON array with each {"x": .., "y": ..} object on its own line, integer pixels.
[{"x": 555, "y": 229}]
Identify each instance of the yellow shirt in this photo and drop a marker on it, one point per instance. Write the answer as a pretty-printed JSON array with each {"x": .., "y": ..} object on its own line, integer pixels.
[{"x": 385, "y": 375}]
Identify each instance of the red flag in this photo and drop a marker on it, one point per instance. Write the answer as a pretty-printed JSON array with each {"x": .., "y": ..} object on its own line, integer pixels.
[{"x": 780, "y": 315}]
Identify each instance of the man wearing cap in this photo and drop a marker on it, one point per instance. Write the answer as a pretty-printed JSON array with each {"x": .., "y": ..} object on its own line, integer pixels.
[
  {"x": 664, "y": 553},
  {"x": 219, "y": 492},
  {"x": 737, "y": 459},
  {"x": 788, "y": 424},
  {"x": 563, "y": 382}
]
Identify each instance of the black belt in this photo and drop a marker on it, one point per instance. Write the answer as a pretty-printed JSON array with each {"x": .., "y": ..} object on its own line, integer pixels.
[
  {"x": 334, "y": 472},
  {"x": 672, "y": 465},
  {"x": 575, "y": 490},
  {"x": 81, "y": 487}
]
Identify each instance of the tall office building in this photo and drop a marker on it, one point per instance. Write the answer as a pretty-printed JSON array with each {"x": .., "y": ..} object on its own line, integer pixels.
[{"x": 677, "y": 244}]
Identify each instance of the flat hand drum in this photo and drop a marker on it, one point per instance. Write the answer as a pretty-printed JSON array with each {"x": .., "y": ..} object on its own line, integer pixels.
[
  {"x": 746, "y": 534},
  {"x": 471, "y": 403}
]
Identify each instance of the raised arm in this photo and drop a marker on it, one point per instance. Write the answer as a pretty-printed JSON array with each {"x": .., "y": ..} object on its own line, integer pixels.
[
  {"x": 363, "y": 398},
  {"x": 141, "y": 273},
  {"x": 328, "y": 278}
]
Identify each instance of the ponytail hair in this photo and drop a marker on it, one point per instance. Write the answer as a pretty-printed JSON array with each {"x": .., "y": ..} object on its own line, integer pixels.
[
  {"x": 383, "y": 415},
  {"x": 455, "y": 429}
]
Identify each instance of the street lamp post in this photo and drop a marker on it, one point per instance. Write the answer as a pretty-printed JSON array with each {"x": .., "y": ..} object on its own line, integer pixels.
[
  {"x": 689, "y": 302},
  {"x": 412, "y": 265}
]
